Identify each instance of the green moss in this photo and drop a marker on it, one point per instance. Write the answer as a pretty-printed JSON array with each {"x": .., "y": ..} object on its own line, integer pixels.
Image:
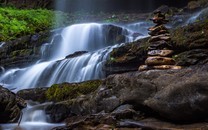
[
  {"x": 18, "y": 22},
  {"x": 192, "y": 36},
  {"x": 24, "y": 52},
  {"x": 65, "y": 91}
]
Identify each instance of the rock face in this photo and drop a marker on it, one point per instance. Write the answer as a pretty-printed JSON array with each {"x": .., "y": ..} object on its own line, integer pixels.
[
  {"x": 176, "y": 95},
  {"x": 10, "y": 106},
  {"x": 126, "y": 58},
  {"x": 36, "y": 94},
  {"x": 22, "y": 51}
]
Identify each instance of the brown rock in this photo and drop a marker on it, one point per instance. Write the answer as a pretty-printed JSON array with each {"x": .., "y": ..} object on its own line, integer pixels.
[
  {"x": 160, "y": 67},
  {"x": 157, "y": 28},
  {"x": 159, "y": 61},
  {"x": 162, "y": 53},
  {"x": 165, "y": 37}
]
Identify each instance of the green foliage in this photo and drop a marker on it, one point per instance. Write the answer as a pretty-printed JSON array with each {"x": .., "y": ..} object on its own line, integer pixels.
[
  {"x": 65, "y": 91},
  {"x": 17, "y": 22}
]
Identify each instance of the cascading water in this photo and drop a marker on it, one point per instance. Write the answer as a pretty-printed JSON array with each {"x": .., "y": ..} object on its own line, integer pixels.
[
  {"x": 34, "y": 118},
  {"x": 53, "y": 67},
  {"x": 197, "y": 15}
]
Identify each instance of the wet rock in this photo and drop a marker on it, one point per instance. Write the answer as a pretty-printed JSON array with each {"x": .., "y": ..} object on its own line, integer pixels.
[
  {"x": 10, "y": 106},
  {"x": 183, "y": 99},
  {"x": 76, "y": 54},
  {"x": 192, "y": 57},
  {"x": 34, "y": 94},
  {"x": 155, "y": 124},
  {"x": 159, "y": 61},
  {"x": 57, "y": 112},
  {"x": 126, "y": 58},
  {"x": 112, "y": 32},
  {"x": 22, "y": 51},
  {"x": 124, "y": 112}
]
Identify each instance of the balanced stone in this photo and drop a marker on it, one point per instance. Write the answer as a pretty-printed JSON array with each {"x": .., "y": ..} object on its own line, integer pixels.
[
  {"x": 165, "y": 37},
  {"x": 159, "y": 50},
  {"x": 156, "y": 60},
  {"x": 162, "y": 53},
  {"x": 159, "y": 18},
  {"x": 159, "y": 46},
  {"x": 160, "y": 67},
  {"x": 157, "y": 28}
]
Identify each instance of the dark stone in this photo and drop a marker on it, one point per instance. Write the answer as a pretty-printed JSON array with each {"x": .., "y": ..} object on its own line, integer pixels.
[
  {"x": 126, "y": 58},
  {"x": 192, "y": 57},
  {"x": 35, "y": 94},
  {"x": 57, "y": 112},
  {"x": 22, "y": 51},
  {"x": 76, "y": 54},
  {"x": 182, "y": 94},
  {"x": 10, "y": 106},
  {"x": 112, "y": 32}
]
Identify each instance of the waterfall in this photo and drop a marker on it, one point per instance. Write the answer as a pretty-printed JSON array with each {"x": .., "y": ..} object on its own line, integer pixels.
[
  {"x": 33, "y": 118},
  {"x": 196, "y": 16},
  {"x": 2, "y": 44},
  {"x": 55, "y": 68}
]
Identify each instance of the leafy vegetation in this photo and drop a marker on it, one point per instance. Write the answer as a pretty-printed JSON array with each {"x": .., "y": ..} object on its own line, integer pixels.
[{"x": 18, "y": 22}]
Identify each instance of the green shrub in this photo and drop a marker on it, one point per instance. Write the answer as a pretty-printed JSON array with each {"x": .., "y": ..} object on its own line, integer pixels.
[{"x": 18, "y": 22}]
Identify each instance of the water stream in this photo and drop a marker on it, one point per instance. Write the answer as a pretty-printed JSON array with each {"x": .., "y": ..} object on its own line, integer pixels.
[
  {"x": 53, "y": 67},
  {"x": 34, "y": 118}
]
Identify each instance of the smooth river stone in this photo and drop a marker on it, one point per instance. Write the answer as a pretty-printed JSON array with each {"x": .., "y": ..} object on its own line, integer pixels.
[
  {"x": 156, "y": 60},
  {"x": 160, "y": 67},
  {"x": 162, "y": 53}
]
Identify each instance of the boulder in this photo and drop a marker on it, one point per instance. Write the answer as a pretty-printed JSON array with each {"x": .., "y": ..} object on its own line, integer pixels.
[
  {"x": 10, "y": 106},
  {"x": 126, "y": 58},
  {"x": 34, "y": 94}
]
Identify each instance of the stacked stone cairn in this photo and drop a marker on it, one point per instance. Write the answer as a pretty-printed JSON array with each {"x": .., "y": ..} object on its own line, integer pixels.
[{"x": 159, "y": 52}]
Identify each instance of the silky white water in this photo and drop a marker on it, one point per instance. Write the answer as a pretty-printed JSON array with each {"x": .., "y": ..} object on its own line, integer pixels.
[
  {"x": 54, "y": 68},
  {"x": 33, "y": 118}
]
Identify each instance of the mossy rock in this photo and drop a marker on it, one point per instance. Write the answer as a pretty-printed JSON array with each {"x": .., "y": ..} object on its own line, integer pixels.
[
  {"x": 66, "y": 91},
  {"x": 194, "y": 36}
]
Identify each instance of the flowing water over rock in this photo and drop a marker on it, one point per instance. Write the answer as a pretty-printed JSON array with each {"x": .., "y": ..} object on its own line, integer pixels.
[
  {"x": 55, "y": 68},
  {"x": 33, "y": 118},
  {"x": 200, "y": 15}
]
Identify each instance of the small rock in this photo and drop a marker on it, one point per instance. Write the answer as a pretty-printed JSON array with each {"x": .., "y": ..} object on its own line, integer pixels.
[
  {"x": 160, "y": 67},
  {"x": 162, "y": 53},
  {"x": 159, "y": 61}
]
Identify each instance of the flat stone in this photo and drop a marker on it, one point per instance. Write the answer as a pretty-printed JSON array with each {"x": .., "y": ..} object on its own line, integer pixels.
[
  {"x": 160, "y": 67},
  {"x": 165, "y": 37},
  {"x": 158, "y": 32},
  {"x": 157, "y": 29},
  {"x": 156, "y": 60},
  {"x": 162, "y": 53}
]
